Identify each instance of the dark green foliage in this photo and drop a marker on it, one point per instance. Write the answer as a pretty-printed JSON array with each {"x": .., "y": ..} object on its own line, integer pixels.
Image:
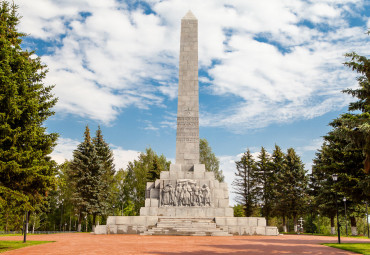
[
  {"x": 354, "y": 128},
  {"x": 105, "y": 155},
  {"x": 154, "y": 171},
  {"x": 245, "y": 183},
  {"x": 89, "y": 178},
  {"x": 347, "y": 163},
  {"x": 239, "y": 211},
  {"x": 138, "y": 173},
  {"x": 209, "y": 159},
  {"x": 296, "y": 184},
  {"x": 27, "y": 172},
  {"x": 265, "y": 179}
]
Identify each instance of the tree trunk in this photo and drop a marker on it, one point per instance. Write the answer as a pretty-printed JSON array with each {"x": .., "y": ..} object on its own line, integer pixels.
[
  {"x": 295, "y": 223},
  {"x": 332, "y": 225},
  {"x": 27, "y": 219},
  {"x": 86, "y": 224},
  {"x": 353, "y": 226},
  {"x": 33, "y": 223},
  {"x": 79, "y": 222},
  {"x": 284, "y": 225},
  {"x": 93, "y": 223}
]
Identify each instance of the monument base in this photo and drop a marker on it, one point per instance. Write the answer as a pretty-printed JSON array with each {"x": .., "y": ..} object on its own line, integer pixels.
[
  {"x": 186, "y": 203},
  {"x": 197, "y": 226}
]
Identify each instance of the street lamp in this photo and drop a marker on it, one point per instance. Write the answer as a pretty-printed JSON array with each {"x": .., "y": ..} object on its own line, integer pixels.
[
  {"x": 345, "y": 212},
  {"x": 335, "y": 178},
  {"x": 367, "y": 221},
  {"x": 113, "y": 209}
]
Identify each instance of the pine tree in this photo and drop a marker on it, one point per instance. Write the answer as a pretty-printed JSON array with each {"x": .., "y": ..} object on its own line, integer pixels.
[
  {"x": 27, "y": 172},
  {"x": 245, "y": 183},
  {"x": 154, "y": 171},
  {"x": 296, "y": 185},
  {"x": 355, "y": 127},
  {"x": 105, "y": 155},
  {"x": 347, "y": 163},
  {"x": 209, "y": 159},
  {"x": 265, "y": 181},
  {"x": 322, "y": 186},
  {"x": 278, "y": 168},
  {"x": 88, "y": 176}
]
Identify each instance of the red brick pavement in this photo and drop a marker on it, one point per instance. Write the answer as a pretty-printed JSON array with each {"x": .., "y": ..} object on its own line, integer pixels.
[{"x": 82, "y": 243}]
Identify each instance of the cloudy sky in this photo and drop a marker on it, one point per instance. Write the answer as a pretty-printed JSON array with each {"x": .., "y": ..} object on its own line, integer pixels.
[{"x": 270, "y": 72}]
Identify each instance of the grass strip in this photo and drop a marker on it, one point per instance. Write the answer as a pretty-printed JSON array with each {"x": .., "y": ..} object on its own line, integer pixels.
[
  {"x": 362, "y": 248},
  {"x": 12, "y": 245}
]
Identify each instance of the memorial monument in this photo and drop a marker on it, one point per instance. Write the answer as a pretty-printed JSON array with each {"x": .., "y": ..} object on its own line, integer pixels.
[{"x": 187, "y": 200}]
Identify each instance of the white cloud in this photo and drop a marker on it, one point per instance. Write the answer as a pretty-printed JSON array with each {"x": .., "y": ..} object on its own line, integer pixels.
[
  {"x": 122, "y": 156},
  {"x": 109, "y": 57},
  {"x": 314, "y": 145},
  {"x": 64, "y": 150},
  {"x": 65, "y": 147}
]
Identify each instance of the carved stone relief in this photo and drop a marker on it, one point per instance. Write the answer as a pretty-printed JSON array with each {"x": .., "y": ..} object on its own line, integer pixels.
[{"x": 185, "y": 193}]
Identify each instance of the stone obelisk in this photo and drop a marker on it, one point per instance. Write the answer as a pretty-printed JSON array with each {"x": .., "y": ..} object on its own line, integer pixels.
[{"x": 187, "y": 136}]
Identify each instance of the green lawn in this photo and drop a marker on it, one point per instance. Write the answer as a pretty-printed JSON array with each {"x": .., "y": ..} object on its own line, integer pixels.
[
  {"x": 362, "y": 248},
  {"x": 12, "y": 245}
]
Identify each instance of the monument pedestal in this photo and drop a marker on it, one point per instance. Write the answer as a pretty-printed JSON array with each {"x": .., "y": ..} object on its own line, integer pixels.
[{"x": 186, "y": 203}]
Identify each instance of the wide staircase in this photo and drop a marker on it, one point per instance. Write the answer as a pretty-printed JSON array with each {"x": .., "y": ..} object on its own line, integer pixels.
[{"x": 186, "y": 227}]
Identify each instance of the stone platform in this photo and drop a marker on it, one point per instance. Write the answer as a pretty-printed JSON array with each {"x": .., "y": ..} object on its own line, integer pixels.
[
  {"x": 186, "y": 203},
  {"x": 189, "y": 226}
]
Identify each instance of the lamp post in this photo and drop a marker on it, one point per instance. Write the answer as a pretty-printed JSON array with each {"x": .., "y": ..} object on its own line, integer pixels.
[
  {"x": 61, "y": 217},
  {"x": 311, "y": 209},
  {"x": 335, "y": 178},
  {"x": 345, "y": 212},
  {"x": 318, "y": 223},
  {"x": 367, "y": 221}
]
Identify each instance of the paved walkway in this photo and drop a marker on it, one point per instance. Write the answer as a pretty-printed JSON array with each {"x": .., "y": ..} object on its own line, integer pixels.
[{"x": 82, "y": 243}]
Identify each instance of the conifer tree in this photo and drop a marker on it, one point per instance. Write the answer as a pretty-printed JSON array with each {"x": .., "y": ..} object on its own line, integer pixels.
[
  {"x": 322, "y": 185},
  {"x": 245, "y": 183},
  {"x": 88, "y": 175},
  {"x": 347, "y": 163},
  {"x": 278, "y": 168},
  {"x": 355, "y": 127},
  {"x": 105, "y": 154},
  {"x": 154, "y": 171},
  {"x": 265, "y": 181},
  {"x": 296, "y": 185},
  {"x": 27, "y": 172}
]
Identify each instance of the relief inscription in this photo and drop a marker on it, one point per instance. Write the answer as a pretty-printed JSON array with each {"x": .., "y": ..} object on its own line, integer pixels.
[
  {"x": 187, "y": 129},
  {"x": 186, "y": 193}
]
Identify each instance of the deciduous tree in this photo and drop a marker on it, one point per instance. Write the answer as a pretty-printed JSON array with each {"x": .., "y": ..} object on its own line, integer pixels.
[{"x": 209, "y": 159}]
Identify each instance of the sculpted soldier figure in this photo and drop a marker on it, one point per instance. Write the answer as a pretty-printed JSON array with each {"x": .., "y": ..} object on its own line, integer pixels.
[
  {"x": 166, "y": 195},
  {"x": 172, "y": 196},
  {"x": 206, "y": 198}
]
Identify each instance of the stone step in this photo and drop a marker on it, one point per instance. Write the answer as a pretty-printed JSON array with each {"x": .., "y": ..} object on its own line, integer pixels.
[
  {"x": 186, "y": 224},
  {"x": 186, "y": 227}
]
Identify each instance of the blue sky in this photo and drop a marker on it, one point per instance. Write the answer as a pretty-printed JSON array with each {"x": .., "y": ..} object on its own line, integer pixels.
[{"x": 271, "y": 72}]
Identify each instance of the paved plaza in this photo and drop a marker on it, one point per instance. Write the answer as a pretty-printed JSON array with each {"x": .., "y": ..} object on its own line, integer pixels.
[{"x": 82, "y": 243}]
